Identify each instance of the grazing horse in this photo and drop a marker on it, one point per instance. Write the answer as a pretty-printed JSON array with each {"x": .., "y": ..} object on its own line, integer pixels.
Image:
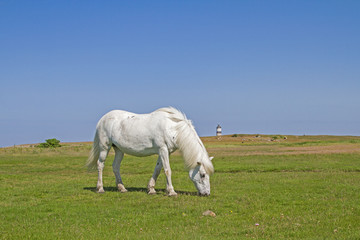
[{"x": 160, "y": 132}]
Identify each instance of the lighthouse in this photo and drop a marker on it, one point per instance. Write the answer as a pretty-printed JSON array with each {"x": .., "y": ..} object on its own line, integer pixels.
[{"x": 218, "y": 130}]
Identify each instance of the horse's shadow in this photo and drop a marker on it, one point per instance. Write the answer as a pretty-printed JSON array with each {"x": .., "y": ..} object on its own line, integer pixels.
[{"x": 136, "y": 189}]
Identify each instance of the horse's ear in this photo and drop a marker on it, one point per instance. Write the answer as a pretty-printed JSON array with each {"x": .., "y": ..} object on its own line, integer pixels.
[{"x": 211, "y": 158}]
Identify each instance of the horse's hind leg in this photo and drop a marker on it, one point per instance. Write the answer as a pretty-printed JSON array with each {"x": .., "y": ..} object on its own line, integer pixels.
[
  {"x": 116, "y": 169},
  {"x": 157, "y": 170},
  {"x": 101, "y": 165}
]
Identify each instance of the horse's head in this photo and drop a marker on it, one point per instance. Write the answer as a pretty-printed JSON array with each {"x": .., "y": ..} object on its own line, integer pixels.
[{"x": 200, "y": 179}]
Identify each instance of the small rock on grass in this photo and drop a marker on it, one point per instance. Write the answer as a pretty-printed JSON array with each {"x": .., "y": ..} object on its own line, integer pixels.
[{"x": 209, "y": 213}]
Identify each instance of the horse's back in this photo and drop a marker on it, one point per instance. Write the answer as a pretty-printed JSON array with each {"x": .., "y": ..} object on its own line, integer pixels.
[{"x": 106, "y": 122}]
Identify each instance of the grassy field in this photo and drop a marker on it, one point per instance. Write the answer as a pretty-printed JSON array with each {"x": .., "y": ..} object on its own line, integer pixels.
[{"x": 264, "y": 187}]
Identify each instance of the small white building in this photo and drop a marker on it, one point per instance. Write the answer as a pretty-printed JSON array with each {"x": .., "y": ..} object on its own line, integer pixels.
[{"x": 218, "y": 130}]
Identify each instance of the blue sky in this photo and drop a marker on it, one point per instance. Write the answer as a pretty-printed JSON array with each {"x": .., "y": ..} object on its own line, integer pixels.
[{"x": 269, "y": 67}]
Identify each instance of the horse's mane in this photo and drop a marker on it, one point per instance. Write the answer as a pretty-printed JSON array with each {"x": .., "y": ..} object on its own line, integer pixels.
[{"x": 188, "y": 141}]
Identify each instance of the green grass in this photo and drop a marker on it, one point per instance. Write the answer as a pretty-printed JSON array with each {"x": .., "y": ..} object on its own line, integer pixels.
[{"x": 48, "y": 194}]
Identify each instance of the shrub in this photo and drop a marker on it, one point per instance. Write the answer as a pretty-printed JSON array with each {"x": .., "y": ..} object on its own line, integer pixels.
[
  {"x": 278, "y": 137},
  {"x": 50, "y": 143},
  {"x": 275, "y": 137},
  {"x": 235, "y": 135}
]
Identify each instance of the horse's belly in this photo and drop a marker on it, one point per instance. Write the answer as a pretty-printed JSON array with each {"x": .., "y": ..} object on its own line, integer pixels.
[
  {"x": 140, "y": 154},
  {"x": 137, "y": 146},
  {"x": 138, "y": 151}
]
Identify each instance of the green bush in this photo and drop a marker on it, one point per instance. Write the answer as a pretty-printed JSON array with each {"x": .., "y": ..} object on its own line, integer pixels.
[
  {"x": 50, "y": 143},
  {"x": 278, "y": 137},
  {"x": 275, "y": 137}
]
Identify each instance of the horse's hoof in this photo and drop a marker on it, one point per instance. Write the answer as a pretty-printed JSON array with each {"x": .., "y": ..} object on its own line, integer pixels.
[
  {"x": 121, "y": 188},
  {"x": 172, "y": 194},
  {"x": 100, "y": 191},
  {"x": 152, "y": 192}
]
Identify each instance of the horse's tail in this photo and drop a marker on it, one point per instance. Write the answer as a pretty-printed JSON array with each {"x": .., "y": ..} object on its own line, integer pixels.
[{"x": 91, "y": 162}]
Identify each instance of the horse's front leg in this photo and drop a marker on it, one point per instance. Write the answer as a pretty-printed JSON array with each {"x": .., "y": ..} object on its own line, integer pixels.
[
  {"x": 157, "y": 170},
  {"x": 116, "y": 169},
  {"x": 164, "y": 155}
]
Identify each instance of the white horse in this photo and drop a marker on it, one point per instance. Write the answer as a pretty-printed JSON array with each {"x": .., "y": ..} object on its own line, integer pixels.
[{"x": 160, "y": 132}]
